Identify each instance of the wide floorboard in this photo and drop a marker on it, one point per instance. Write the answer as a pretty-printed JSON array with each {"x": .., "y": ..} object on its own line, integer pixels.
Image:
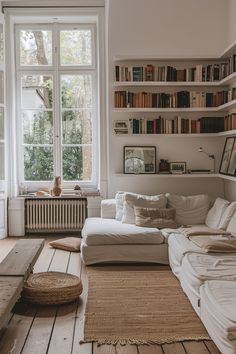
[{"x": 59, "y": 329}]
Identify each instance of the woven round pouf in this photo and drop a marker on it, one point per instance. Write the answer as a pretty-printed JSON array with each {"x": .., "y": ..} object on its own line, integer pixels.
[{"x": 52, "y": 288}]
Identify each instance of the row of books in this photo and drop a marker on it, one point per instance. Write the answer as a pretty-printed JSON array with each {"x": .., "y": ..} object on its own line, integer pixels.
[
  {"x": 230, "y": 122},
  {"x": 180, "y": 99},
  {"x": 210, "y": 72},
  {"x": 177, "y": 125}
]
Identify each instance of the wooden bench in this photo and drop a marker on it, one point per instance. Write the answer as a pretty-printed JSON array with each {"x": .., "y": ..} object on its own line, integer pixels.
[{"x": 14, "y": 269}]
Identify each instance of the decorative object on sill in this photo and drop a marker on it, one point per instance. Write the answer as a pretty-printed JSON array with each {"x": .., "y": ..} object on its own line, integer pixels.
[
  {"x": 77, "y": 187},
  {"x": 140, "y": 159},
  {"x": 57, "y": 187},
  {"x": 164, "y": 167},
  {"x": 177, "y": 167},
  {"x": 228, "y": 160},
  {"x": 210, "y": 156}
]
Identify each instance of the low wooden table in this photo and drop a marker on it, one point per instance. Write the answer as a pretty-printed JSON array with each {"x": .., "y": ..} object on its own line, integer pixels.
[{"x": 14, "y": 270}]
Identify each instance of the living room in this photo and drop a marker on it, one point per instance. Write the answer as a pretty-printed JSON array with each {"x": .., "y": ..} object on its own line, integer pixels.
[{"x": 98, "y": 97}]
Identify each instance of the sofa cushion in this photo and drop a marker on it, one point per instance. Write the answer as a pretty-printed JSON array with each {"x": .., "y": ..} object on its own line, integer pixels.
[
  {"x": 138, "y": 200},
  {"x": 227, "y": 215},
  {"x": 191, "y": 210},
  {"x": 98, "y": 231},
  {"x": 232, "y": 225},
  {"x": 108, "y": 208},
  {"x": 155, "y": 217},
  {"x": 119, "y": 197},
  {"x": 215, "y": 213},
  {"x": 71, "y": 244}
]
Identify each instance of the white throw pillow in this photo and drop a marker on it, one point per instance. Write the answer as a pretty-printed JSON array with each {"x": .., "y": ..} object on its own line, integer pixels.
[
  {"x": 227, "y": 215},
  {"x": 119, "y": 197},
  {"x": 191, "y": 210},
  {"x": 144, "y": 201},
  {"x": 232, "y": 225},
  {"x": 215, "y": 213}
]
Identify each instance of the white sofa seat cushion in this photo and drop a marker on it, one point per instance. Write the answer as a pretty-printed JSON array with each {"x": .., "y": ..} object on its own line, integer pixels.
[
  {"x": 190, "y": 210},
  {"x": 108, "y": 208},
  {"x": 98, "y": 231},
  {"x": 179, "y": 245},
  {"x": 197, "y": 268},
  {"x": 219, "y": 297}
]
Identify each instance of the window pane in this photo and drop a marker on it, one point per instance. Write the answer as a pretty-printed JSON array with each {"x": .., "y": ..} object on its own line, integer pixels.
[
  {"x": 36, "y": 91},
  {"x": 2, "y": 159},
  {"x": 75, "y": 47},
  {"x": 35, "y": 47},
  {"x": 1, "y": 87},
  {"x": 38, "y": 163},
  {"x": 1, "y": 45},
  {"x": 77, "y": 163},
  {"x": 76, "y": 127},
  {"x": 38, "y": 127},
  {"x": 1, "y": 124},
  {"x": 76, "y": 91}
]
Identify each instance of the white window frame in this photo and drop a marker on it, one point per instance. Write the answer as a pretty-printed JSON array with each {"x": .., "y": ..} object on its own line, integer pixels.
[{"x": 56, "y": 70}]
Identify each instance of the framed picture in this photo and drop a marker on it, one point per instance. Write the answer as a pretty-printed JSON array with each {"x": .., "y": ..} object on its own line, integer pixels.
[
  {"x": 120, "y": 127},
  {"x": 228, "y": 160},
  {"x": 177, "y": 167},
  {"x": 232, "y": 161},
  {"x": 140, "y": 159}
]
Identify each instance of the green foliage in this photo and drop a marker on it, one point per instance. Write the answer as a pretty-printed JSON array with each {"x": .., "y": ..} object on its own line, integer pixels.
[{"x": 38, "y": 163}]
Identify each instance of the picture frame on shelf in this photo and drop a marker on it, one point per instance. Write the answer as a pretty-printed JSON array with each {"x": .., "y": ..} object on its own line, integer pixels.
[
  {"x": 232, "y": 162},
  {"x": 228, "y": 163},
  {"x": 139, "y": 159},
  {"x": 120, "y": 127},
  {"x": 178, "y": 167}
]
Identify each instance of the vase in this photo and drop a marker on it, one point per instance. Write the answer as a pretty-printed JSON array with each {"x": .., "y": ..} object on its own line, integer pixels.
[{"x": 57, "y": 187}]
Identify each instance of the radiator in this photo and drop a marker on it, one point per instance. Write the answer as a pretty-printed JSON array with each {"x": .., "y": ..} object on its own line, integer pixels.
[{"x": 49, "y": 215}]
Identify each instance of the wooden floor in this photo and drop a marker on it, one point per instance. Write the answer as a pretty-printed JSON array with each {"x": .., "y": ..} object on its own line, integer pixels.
[{"x": 59, "y": 329}]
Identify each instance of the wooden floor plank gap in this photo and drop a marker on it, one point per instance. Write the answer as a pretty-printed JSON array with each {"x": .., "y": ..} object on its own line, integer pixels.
[
  {"x": 68, "y": 263},
  {"x": 52, "y": 331},
  {"x": 51, "y": 260},
  {"x": 73, "y": 335},
  {"x": 27, "y": 335},
  {"x": 207, "y": 348}
]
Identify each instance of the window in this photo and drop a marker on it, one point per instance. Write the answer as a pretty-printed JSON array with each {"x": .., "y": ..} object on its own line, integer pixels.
[{"x": 56, "y": 103}]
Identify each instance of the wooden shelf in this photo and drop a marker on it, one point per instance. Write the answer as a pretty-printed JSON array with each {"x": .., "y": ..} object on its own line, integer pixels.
[
  {"x": 186, "y": 175},
  {"x": 194, "y": 135},
  {"x": 167, "y": 110},
  {"x": 226, "y": 81},
  {"x": 224, "y": 107}
]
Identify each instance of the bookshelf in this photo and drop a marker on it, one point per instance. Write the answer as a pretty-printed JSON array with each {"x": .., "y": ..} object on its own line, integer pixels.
[
  {"x": 220, "y": 80},
  {"x": 177, "y": 176}
]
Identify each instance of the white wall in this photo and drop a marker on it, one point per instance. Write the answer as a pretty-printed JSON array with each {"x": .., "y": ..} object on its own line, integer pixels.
[
  {"x": 231, "y": 23},
  {"x": 163, "y": 28}
]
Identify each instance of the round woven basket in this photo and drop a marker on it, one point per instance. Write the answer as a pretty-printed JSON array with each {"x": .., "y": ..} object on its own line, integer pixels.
[{"x": 52, "y": 288}]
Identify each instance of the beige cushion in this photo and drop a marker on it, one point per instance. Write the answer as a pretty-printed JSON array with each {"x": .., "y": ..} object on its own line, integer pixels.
[
  {"x": 71, "y": 244},
  {"x": 191, "y": 210},
  {"x": 155, "y": 217},
  {"x": 232, "y": 225},
  {"x": 138, "y": 200},
  {"x": 215, "y": 213},
  {"x": 227, "y": 215}
]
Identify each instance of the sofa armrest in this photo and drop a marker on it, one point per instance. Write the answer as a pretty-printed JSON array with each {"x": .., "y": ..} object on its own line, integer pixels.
[{"x": 108, "y": 209}]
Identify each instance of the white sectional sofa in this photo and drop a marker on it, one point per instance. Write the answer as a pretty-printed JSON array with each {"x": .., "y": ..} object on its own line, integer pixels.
[{"x": 207, "y": 278}]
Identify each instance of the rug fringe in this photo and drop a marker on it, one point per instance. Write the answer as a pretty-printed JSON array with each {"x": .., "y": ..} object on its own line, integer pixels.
[{"x": 142, "y": 342}]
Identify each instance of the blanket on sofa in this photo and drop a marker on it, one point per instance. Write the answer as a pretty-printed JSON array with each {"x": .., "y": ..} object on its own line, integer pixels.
[{"x": 216, "y": 243}]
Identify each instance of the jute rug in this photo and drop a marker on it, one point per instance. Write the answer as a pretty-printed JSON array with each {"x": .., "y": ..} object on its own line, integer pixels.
[{"x": 138, "y": 305}]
